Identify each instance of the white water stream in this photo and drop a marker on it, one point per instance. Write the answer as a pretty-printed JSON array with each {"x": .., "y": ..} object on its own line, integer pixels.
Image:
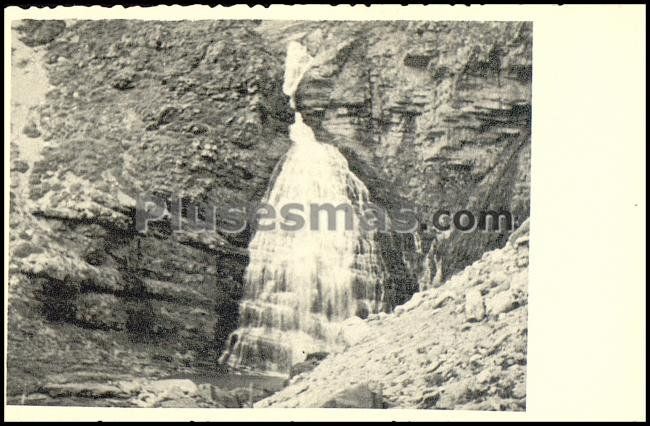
[{"x": 300, "y": 285}]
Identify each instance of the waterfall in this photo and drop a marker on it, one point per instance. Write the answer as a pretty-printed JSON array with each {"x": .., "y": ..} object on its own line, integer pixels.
[{"x": 300, "y": 285}]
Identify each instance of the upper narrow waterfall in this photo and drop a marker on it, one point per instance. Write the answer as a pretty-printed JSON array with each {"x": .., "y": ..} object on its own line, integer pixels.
[{"x": 301, "y": 284}]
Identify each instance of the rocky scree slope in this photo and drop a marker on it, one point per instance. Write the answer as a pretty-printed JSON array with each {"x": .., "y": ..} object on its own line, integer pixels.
[{"x": 459, "y": 346}]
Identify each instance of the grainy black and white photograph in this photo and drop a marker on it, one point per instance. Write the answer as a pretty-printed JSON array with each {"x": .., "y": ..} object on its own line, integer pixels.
[
  {"x": 325, "y": 213},
  {"x": 267, "y": 213}
]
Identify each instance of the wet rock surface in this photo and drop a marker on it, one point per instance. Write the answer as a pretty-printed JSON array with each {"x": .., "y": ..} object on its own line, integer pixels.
[
  {"x": 430, "y": 114},
  {"x": 310, "y": 362}
]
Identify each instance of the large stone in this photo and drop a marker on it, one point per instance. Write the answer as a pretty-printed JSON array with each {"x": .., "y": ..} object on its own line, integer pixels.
[
  {"x": 31, "y": 131},
  {"x": 225, "y": 398},
  {"x": 308, "y": 364},
  {"x": 359, "y": 396},
  {"x": 182, "y": 402},
  {"x": 453, "y": 394},
  {"x": 501, "y": 302},
  {"x": 86, "y": 390},
  {"x": 353, "y": 330},
  {"x": 172, "y": 388},
  {"x": 519, "y": 390},
  {"x": 168, "y": 393},
  {"x": 474, "y": 306},
  {"x": 487, "y": 375},
  {"x": 429, "y": 399},
  {"x": 248, "y": 396}
]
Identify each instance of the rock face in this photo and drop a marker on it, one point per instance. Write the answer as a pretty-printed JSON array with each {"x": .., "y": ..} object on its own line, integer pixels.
[
  {"x": 359, "y": 396},
  {"x": 310, "y": 362},
  {"x": 428, "y": 354},
  {"x": 37, "y": 32},
  {"x": 124, "y": 391},
  {"x": 178, "y": 109},
  {"x": 433, "y": 115}
]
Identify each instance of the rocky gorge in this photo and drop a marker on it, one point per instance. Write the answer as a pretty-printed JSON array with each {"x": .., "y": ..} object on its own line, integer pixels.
[{"x": 427, "y": 114}]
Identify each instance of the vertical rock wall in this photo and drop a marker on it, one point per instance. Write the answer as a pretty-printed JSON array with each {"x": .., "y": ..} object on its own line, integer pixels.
[
  {"x": 190, "y": 110},
  {"x": 432, "y": 115}
]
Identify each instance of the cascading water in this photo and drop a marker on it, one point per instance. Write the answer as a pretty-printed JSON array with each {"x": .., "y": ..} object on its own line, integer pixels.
[{"x": 300, "y": 285}]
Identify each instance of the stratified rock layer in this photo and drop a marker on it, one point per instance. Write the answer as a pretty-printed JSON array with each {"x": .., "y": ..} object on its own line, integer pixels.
[
  {"x": 189, "y": 110},
  {"x": 432, "y": 115}
]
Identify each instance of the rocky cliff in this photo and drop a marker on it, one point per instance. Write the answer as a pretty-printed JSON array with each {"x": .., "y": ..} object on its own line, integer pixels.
[
  {"x": 434, "y": 115},
  {"x": 191, "y": 110}
]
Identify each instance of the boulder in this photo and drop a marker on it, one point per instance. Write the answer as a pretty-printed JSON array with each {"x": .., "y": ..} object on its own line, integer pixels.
[
  {"x": 310, "y": 362},
  {"x": 173, "y": 387},
  {"x": 31, "y": 131},
  {"x": 353, "y": 330},
  {"x": 248, "y": 396},
  {"x": 501, "y": 303},
  {"x": 223, "y": 398},
  {"x": 302, "y": 367},
  {"x": 84, "y": 390},
  {"x": 474, "y": 306},
  {"x": 359, "y": 396}
]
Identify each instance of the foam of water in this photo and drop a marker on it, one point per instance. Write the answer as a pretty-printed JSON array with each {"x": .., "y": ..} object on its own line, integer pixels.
[
  {"x": 297, "y": 64},
  {"x": 300, "y": 285}
]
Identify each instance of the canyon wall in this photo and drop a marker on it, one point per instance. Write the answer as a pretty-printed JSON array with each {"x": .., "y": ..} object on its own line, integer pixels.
[
  {"x": 192, "y": 109},
  {"x": 433, "y": 115}
]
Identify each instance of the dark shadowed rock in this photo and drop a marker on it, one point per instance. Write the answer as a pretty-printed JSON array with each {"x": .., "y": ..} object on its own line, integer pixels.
[
  {"x": 37, "y": 32},
  {"x": 316, "y": 356},
  {"x": 359, "y": 396},
  {"x": 31, "y": 131},
  {"x": 219, "y": 396},
  {"x": 310, "y": 362},
  {"x": 19, "y": 166},
  {"x": 248, "y": 396},
  {"x": 125, "y": 79},
  {"x": 85, "y": 390}
]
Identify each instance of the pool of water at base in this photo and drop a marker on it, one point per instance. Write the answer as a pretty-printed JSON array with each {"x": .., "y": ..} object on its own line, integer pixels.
[{"x": 232, "y": 379}]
